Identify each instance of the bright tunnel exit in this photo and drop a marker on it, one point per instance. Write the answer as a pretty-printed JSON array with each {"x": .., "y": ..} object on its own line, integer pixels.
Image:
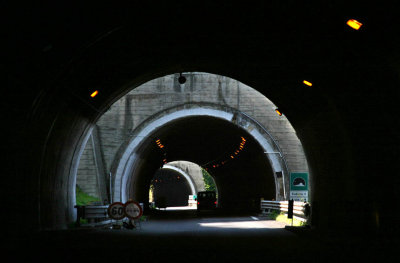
[{"x": 177, "y": 183}]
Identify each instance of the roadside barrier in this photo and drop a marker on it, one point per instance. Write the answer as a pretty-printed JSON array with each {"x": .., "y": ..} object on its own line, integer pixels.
[
  {"x": 301, "y": 210},
  {"x": 93, "y": 213}
]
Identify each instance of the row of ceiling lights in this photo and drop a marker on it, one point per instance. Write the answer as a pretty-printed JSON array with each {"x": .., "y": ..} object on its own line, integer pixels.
[
  {"x": 161, "y": 146},
  {"x": 212, "y": 164},
  {"x": 227, "y": 158}
]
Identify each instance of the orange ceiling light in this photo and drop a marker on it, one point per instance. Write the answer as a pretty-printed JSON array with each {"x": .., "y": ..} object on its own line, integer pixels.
[
  {"x": 94, "y": 94},
  {"x": 159, "y": 144},
  {"x": 354, "y": 24},
  {"x": 307, "y": 83},
  {"x": 279, "y": 112}
]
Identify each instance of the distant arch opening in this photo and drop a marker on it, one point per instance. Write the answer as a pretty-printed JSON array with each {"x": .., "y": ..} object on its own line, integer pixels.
[{"x": 177, "y": 184}]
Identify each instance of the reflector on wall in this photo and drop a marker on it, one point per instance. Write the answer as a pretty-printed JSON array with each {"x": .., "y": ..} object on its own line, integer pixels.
[
  {"x": 307, "y": 83},
  {"x": 354, "y": 24},
  {"x": 94, "y": 94}
]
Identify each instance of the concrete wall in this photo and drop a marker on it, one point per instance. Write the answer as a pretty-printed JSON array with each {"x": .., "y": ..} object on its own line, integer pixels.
[
  {"x": 87, "y": 174},
  {"x": 115, "y": 126},
  {"x": 194, "y": 171}
]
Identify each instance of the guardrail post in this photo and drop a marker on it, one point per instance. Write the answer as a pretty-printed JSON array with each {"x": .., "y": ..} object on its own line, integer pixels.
[
  {"x": 80, "y": 214},
  {"x": 290, "y": 209}
]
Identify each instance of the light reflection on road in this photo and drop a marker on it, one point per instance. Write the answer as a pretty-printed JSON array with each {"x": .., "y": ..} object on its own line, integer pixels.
[{"x": 243, "y": 224}]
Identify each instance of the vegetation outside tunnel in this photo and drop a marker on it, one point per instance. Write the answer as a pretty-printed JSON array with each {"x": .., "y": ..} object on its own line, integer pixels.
[
  {"x": 282, "y": 217},
  {"x": 208, "y": 181},
  {"x": 83, "y": 198}
]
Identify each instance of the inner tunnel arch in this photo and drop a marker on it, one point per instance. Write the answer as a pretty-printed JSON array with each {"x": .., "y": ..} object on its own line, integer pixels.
[
  {"x": 193, "y": 187},
  {"x": 126, "y": 163},
  {"x": 176, "y": 174}
]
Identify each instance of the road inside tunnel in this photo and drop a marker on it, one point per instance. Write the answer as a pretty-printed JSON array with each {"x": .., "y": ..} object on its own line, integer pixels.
[
  {"x": 230, "y": 154},
  {"x": 182, "y": 236}
]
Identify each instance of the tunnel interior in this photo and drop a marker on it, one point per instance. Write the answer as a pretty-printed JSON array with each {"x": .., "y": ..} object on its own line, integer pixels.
[
  {"x": 242, "y": 180},
  {"x": 170, "y": 189},
  {"x": 51, "y": 68}
]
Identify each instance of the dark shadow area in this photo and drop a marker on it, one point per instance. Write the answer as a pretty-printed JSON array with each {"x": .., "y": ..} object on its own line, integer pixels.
[
  {"x": 170, "y": 189},
  {"x": 54, "y": 55},
  {"x": 278, "y": 245}
]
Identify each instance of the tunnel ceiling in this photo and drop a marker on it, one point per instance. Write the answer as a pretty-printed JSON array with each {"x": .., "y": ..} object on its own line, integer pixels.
[
  {"x": 202, "y": 140},
  {"x": 292, "y": 41}
]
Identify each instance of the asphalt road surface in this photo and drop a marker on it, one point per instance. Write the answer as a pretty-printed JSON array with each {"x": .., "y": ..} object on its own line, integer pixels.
[{"x": 185, "y": 236}]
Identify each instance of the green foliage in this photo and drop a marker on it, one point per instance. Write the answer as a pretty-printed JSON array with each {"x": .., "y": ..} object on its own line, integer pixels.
[
  {"x": 83, "y": 198},
  {"x": 274, "y": 214},
  {"x": 283, "y": 218},
  {"x": 208, "y": 181}
]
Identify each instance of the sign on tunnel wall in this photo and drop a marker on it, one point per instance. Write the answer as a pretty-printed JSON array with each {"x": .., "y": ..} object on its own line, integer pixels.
[{"x": 299, "y": 186}]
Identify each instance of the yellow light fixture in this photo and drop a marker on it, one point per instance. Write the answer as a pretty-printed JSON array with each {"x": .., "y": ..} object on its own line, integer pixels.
[
  {"x": 94, "y": 94},
  {"x": 307, "y": 83},
  {"x": 354, "y": 24},
  {"x": 279, "y": 112}
]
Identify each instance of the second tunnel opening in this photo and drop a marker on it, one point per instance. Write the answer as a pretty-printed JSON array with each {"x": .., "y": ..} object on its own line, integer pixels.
[{"x": 234, "y": 159}]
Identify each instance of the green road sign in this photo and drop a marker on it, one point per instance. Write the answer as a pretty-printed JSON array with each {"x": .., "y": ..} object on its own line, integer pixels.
[{"x": 298, "y": 181}]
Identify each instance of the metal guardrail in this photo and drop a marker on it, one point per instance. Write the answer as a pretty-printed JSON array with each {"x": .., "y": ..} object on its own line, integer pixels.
[
  {"x": 301, "y": 210},
  {"x": 92, "y": 213}
]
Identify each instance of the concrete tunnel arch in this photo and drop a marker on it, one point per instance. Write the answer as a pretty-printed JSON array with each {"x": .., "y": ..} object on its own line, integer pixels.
[
  {"x": 125, "y": 165},
  {"x": 192, "y": 175},
  {"x": 193, "y": 187},
  {"x": 334, "y": 119}
]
